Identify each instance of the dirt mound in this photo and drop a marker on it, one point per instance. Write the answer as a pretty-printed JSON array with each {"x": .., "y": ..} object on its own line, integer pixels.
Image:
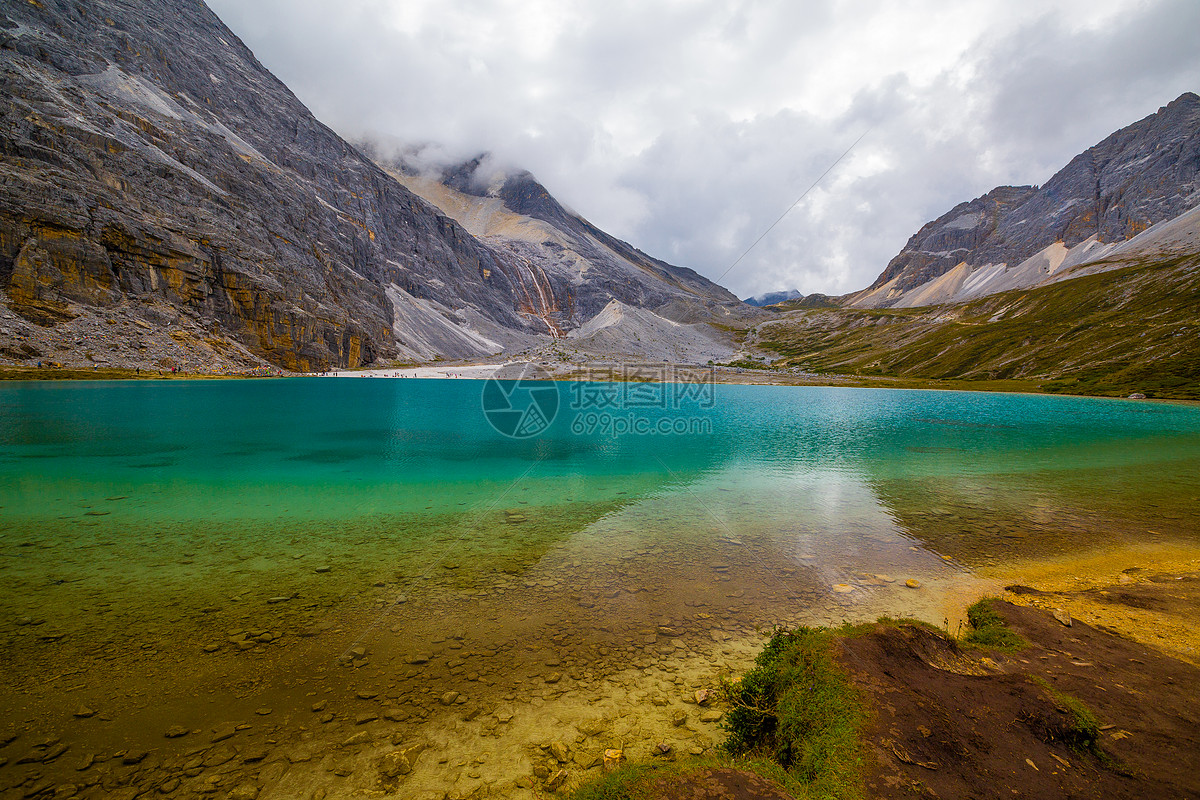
[{"x": 957, "y": 723}]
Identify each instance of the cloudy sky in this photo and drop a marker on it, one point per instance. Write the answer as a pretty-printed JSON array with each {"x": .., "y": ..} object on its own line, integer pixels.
[{"x": 688, "y": 126}]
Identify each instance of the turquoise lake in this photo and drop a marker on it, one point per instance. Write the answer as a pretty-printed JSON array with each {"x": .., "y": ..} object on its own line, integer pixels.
[{"x": 251, "y": 542}]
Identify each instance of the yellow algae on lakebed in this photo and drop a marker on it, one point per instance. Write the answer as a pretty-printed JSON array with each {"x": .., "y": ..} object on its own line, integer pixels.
[{"x": 1084, "y": 585}]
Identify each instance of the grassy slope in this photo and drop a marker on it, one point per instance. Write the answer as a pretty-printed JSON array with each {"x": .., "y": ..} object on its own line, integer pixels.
[{"x": 1133, "y": 329}]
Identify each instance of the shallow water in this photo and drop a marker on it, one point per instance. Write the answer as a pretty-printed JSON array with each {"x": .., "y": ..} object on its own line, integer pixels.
[{"x": 374, "y": 544}]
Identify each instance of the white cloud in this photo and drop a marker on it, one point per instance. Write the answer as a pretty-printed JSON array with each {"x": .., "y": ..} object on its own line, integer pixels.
[{"x": 688, "y": 126}]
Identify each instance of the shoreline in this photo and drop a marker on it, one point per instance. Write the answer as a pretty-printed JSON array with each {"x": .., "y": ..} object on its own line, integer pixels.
[
  {"x": 586, "y": 645},
  {"x": 474, "y": 371}
]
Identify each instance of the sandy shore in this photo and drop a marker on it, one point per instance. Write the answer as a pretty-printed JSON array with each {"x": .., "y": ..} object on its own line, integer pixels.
[
  {"x": 1088, "y": 588},
  {"x": 465, "y": 371},
  {"x": 570, "y": 371}
]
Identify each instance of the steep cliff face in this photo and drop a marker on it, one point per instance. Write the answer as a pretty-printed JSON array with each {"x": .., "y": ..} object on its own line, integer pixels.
[
  {"x": 1141, "y": 175},
  {"x": 952, "y": 238},
  {"x": 147, "y": 155}
]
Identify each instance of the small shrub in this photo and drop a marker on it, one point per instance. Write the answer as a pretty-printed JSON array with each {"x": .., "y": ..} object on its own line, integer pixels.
[
  {"x": 988, "y": 628},
  {"x": 799, "y": 708}
]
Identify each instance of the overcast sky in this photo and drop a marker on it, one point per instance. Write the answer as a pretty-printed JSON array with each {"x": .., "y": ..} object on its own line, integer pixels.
[{"x": 688, "y": 126}]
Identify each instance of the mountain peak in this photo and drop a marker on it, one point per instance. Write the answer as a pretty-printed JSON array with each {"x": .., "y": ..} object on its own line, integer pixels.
[{"x": 1142, "y": 174}]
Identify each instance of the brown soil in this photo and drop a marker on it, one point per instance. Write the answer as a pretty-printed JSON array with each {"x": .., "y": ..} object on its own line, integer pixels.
[
  {"x": 718, "y": 784},
  {"x": 1158, "y": 610},
  {"x": 957, "y": 723}
]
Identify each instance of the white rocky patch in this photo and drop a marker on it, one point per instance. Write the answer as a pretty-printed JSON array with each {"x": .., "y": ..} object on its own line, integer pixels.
[
  {"x": 116, "y": 84},
  {"x": 1056, "y": 262},
  {"x": 964, "y": 222},
  {"x": 623, "y": 331},
  {"x": 424, "y": 330}
]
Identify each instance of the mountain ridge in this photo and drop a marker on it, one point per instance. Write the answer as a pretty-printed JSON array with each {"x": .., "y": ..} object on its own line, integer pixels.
[
  {"x": 579, "y": 269},
  {"x": 1141, "y": 175},
  {"x": 771, "y": 298}
]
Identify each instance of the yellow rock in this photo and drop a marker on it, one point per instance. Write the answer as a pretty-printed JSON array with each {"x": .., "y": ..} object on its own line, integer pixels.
[
  {"x": 913, "y": 583},
  {"x": 613, "y": 759}
]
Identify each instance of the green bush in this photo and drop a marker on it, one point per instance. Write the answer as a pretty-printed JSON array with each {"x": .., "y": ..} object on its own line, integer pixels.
[
  {"x": 988, "y": 628},
  {"x": 799, "y": 708}
]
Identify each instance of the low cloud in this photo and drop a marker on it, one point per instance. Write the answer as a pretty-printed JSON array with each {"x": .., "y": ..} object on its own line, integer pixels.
[{"x": 688, "y": 128}]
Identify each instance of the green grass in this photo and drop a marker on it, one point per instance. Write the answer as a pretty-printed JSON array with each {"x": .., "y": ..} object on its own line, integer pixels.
[
  {"x": 794, "y": 719},
  {"x": 747, "y": 363},
  {"x": 855, "y": 630},
  {"x": 1083, "y": 734},
  {"x": 627, "y": 783},
  {"x": 1129, "y": 330},
  {"x": 108, "y": 374},
  {"x": 988, "y": 629},
  {"x": 798, "y": 708},
  {"x": 639, "y": 781},
  {"x": 1085, "y": 729}
]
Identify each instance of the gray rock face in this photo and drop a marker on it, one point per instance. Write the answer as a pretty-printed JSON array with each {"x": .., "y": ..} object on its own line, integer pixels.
[
  {"x": 146, "y": 156},
  {"x": 614, "y": 269},
  {"x": 953, "y": 237},
  {"x": 1140, "y": 175}
]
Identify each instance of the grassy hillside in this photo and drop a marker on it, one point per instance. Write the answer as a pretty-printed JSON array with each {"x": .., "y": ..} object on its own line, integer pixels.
[{"x": 1135, "y": 329}]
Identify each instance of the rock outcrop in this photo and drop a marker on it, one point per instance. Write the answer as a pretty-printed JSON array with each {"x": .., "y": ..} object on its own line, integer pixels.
[
  {"x": 1140, "y": 176},
  {"x": 952, "y": 238}
]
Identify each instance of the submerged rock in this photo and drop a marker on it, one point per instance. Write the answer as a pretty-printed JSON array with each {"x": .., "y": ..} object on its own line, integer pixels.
[
  {"x": 560, "y": 751},
  {"x": 223, "y": 732}
]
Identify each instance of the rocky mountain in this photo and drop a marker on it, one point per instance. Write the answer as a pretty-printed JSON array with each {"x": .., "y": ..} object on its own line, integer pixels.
[
  {"x": 814, "y": 300},
  {"x": 1126, "y": 330},
  {"x": 156, "y": 179},
  {"x": 1015, "y": 236},
  {"x": 771, "y": 298},
  {"x": 573, "y": 277}
]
